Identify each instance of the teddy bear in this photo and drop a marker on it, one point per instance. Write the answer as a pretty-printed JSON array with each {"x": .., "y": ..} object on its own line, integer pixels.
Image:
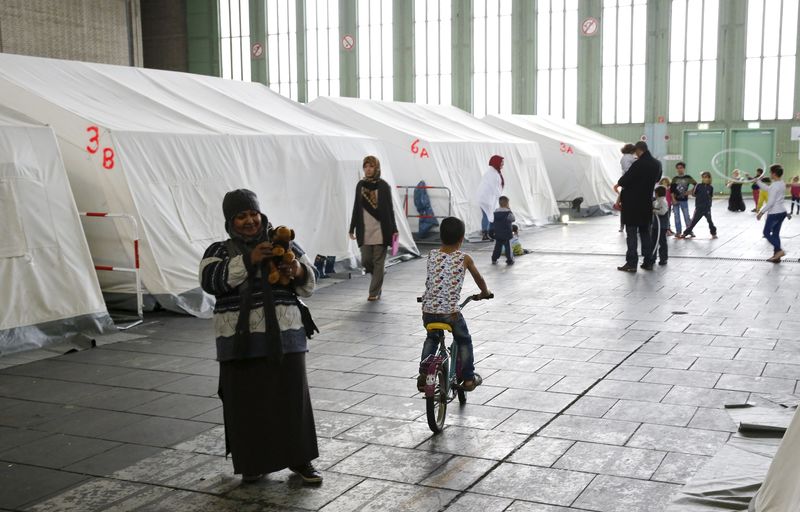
[{"x": 281, "y": 238}]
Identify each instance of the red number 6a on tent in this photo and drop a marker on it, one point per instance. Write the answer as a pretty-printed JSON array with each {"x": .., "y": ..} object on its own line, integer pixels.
[
  {"x": 423, "y": 153},
  {"x": 566, "y": 148},
  {"x": 94, "y": 146}
]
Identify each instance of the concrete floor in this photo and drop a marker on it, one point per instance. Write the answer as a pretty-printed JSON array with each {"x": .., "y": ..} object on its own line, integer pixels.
[{"x": 603, "y": 390}]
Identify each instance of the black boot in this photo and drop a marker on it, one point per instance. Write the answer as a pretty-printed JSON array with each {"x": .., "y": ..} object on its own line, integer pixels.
[
  {"x": 330, "y": 261},
  {"x": 319, "y": 266}
]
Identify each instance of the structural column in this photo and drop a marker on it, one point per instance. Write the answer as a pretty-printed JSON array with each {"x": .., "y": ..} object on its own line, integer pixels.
[
  {"x": 523, "y": 57},
  {"x": 348, "y": 59},
  {"x": 461, "y": 29},
  {"x": 258, "y": 34},
  {"x": 730, "y": 60},
  {"x": 202, "y": 32},
  {"x": 656, "y": 89},
  {"x": 302, "y": 56},
  {"x": 403, "y": 48},
  {"x": 590, "y": 64}
]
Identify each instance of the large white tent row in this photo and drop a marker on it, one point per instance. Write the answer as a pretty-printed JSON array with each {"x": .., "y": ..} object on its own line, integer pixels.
[
  {"x": 447, "y": 147},
  {"x": 164, "y": 147},
  {"x": 579, "y": 161},
  {"x": 49, "y": 287}
]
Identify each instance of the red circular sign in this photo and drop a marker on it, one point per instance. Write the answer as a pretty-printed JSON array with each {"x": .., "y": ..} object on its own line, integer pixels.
[
  {"x": 643, "y": 138},
  {"x": 257, "y": 50},
  {"x": 589, "y": 26},
  {"x": 348, "y": 41}
]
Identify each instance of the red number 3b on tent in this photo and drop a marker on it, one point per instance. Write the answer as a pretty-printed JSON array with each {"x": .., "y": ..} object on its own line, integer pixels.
[{"x": 94, "y": 146}]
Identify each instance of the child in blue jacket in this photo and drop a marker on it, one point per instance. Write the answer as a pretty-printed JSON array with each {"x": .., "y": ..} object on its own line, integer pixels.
[{"x": 503, "y": 221}]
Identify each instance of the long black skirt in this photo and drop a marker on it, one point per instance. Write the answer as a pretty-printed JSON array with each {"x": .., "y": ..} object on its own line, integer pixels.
[
  {"x": 735, "y": 201},
  {"x": 269, "y": 423}
]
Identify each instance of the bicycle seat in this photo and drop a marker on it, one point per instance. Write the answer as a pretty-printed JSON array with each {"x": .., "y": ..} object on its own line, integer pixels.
[{"x": 433, "y": 326}]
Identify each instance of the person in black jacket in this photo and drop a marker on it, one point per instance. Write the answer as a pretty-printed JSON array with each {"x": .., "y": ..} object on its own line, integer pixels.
[
  {"x": 372, "y": 223},
  {"x": 637, "y": 197},
  {"x": 502, "y": 227}
]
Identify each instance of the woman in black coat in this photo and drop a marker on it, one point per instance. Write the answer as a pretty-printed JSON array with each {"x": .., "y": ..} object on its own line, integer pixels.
[
  {"x": 372, "y": 223},
  {"x": 637, "y": 206}
]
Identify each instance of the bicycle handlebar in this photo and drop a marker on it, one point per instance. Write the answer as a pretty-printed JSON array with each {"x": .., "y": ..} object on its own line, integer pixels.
[{"x": 477, "y": 296}]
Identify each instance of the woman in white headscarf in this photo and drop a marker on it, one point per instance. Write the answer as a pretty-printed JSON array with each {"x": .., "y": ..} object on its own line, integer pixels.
[{"x": 489, "y": 192}]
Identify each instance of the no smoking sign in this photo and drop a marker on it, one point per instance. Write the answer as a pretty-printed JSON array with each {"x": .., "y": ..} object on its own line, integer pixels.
[
  {"x": 348, "y": 41},
  {"x": 590, "y": 26}
]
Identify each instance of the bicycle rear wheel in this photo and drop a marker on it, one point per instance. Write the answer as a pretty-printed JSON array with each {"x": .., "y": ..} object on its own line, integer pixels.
[{"x": 436, "y": 406}]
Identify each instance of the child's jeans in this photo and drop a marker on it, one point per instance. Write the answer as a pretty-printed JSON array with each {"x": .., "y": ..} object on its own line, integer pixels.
[
  {"x": 680, "y": 207},
  {"x": 460, "y": 334},
  {"x": 772, "y": 229},
  {"x": 699, "y": 214},
  {"x": 499, "y": 245},
  {"x": 795, "y": 201}
]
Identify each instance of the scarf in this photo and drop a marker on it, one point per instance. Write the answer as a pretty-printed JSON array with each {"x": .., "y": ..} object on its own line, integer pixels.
[
  {"x": 495, "y": 162},
  {"x": 369, "y": 193},
  {"x": 245, "y": 246}
]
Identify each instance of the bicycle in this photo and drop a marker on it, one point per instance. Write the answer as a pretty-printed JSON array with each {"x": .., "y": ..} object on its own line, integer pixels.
[{"x": 444, "y": 373}]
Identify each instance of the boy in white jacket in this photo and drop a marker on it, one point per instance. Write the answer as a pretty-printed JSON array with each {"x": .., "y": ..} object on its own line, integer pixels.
[{"x": 775, "y": 210}]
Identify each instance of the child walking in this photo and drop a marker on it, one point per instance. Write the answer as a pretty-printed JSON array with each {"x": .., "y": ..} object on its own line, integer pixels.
[
  {"x": 775, "y": 210},
  {"x": 503, "y": 221},
  {"x": 703, "y": 194},
  {"x": 661, "y": 210},
  {"x": 795, "y": 190},
  {"x": 447, "y": 267}
]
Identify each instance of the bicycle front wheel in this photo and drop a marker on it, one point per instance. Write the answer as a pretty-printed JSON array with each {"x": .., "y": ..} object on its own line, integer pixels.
[{"x": 436, "y": 406}]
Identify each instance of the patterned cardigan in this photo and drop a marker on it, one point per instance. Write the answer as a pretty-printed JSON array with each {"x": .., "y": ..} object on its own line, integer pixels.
[{"x": 222, "y": 275}]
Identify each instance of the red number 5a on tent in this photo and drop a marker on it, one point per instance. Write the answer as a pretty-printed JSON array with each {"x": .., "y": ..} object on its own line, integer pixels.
[
  {"x": 94, "y": 146},
  {"x": 416, "y": 149}
]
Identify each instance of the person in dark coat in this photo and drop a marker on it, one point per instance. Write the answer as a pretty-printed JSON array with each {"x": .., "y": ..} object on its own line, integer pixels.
[
  {"x": 372, "y": 223},
  {"x": 261, "y": 339},
  {"x": 637, "y": 213}
]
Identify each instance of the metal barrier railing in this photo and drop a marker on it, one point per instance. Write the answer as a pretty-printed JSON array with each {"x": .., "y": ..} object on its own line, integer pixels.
[
  {"x": 134, "y": 270},
  {"x": 427, "y": 187}
]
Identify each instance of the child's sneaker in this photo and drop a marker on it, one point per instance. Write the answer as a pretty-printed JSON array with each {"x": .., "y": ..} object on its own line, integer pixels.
[
  {"x": 494, "y": 262},
  {"x": 470, "y": 385},
  {"x": 714, "y": 237},
  {"x": 421, "y": 380}
]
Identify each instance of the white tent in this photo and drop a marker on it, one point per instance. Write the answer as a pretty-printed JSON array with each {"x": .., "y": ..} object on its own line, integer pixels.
[
  {"x": 164, "y": 147},
  {"x": 579, "y": 161},
  {"x": 49, "y": 288},
  {"x": 780, "y": 491},
  {"x": 448, "y": 147}
]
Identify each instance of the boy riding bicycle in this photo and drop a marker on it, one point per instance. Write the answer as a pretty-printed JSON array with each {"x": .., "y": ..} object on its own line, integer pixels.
[{"x": 446, "y": 269}]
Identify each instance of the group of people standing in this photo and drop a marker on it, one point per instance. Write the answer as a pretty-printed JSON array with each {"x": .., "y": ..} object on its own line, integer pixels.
[{"x": 673, "y": 195}]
